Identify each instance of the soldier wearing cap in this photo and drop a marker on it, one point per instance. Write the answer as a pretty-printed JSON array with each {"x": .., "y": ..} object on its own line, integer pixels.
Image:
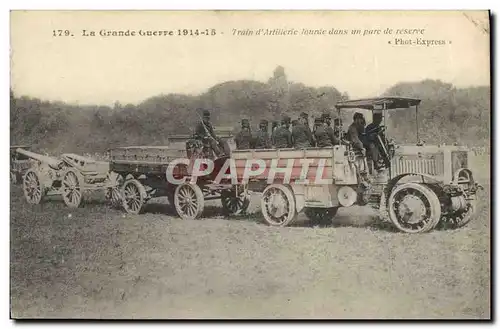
[
  {"x": 274, "y": 126},
  {"x": 305, "y": 122},
  {"x": 318, "y": 122},
  {"x": 301, "y": 133},
  {"x": 204, "y": 128},
  {"x": 322, "y": 135},
  {"x": 355, "y": 133},
  {"x": 372, "y": 132},
  {"x": 337, "y": 128},
  {"x": 204, "y": 131},
  {"x": 327, "y": 120},
  {"x": 282, "y": 135},
  {"x": 262, "y": 140},
  {"x": 244, "y": 138}
]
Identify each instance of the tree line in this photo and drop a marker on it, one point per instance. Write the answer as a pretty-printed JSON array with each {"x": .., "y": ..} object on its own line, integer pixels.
[{"x": 447, "y": 114}]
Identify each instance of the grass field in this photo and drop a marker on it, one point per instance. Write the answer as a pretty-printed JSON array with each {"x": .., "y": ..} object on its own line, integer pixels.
[{"x": 100, "y": 263}]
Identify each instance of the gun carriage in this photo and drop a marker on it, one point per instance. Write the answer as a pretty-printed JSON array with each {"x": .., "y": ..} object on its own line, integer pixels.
[
  {"x": 70, "y": 176},
  {"x": 19, "y": 163},
  {"x": 421, "y": 186}
]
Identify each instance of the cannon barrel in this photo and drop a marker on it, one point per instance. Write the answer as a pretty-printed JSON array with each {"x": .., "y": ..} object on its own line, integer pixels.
[{"x": 51, "y": 162}]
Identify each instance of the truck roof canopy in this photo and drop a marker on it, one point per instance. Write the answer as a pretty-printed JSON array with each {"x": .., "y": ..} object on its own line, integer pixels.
[{"x": 378, "y": 103}]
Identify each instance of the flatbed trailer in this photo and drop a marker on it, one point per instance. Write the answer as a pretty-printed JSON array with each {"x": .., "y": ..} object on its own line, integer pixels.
[{"x": 142, "y": 172}]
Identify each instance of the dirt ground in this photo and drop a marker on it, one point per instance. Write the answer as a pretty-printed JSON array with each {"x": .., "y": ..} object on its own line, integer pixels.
[{"x": 101, "y": 263}]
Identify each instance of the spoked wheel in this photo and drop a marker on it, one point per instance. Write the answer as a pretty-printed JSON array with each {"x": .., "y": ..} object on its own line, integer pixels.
[
  {"x": 32, "y": 187},
  {"x": 72, "y": 190},
  {"x": 460, "y": 219},
  {"x": 133, "y": 196},
  {"x": 278, "y": 205},
  {"x": 189, "y": 201},
  {"x": 414, "y": 208},
  {"x": 114, "y": 193},
  {"x": 234, "y": 204},
  {"x": 13, "y": 178},
  {"x": 321, "y": 216}
]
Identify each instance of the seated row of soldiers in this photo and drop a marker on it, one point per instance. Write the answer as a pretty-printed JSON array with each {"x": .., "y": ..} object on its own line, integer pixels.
[
  {"x": 290, "y": 134},
  {"x": 299, "y": 136}
]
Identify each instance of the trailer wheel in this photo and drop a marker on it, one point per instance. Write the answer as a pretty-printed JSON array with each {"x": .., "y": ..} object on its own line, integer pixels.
[
  {"x": 232, "y": 204},
  {"x": 414, "y": 208},
  {"x": 133, "y": 196},
  {"x": 72, "y": 190},
  {"x": 189, "y": 201},
  {"x": 321, "y": 216},
  {"x": 13, "y": 178},
  {"x": 32, "y": 187},
  {"x": 278, "y": 205}
]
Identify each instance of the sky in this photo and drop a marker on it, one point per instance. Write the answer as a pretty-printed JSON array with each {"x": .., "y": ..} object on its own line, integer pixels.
[{"x": 102, "y": 70}]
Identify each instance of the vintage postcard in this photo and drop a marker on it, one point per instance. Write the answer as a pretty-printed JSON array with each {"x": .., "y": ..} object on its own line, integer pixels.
[{"x": 250, "y": 165}]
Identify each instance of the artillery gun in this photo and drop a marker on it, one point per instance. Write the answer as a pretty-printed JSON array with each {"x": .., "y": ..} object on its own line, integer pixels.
[{"x": 70, "y": 176}]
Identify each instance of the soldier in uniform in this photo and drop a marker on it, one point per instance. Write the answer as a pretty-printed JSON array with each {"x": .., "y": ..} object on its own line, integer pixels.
[
  {"x": 372, "y": 131},
  {"x": 262, "y": 140},
  {"x": 244, "y": 138},
  {"x": 274, "y": 126},
  {"x": 204, "y": 131},
  {"x": 304, "y": 118},
  {"x": 282, "y": 135},
  {"x": 327, "y": 120},
  {"x": 337, "y": 128},
  {"x": 355, "y": 133},
  {"x": 301, "y": 133},
  {"x": 321, "y": 134}
]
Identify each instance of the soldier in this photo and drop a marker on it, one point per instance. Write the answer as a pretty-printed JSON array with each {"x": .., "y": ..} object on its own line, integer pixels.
[
  {"x": 337, "y": 128},
  {"x": 327, "y": 120},
  {"x": 204, "y": 131},
  {"x": 355, "y": 133},
  {"x": 274, "y": 126},
  {"x": 320, "y": 133},
  {"x": 262, "y": 140},
  {"x": 301, "y": 133},
  {"x": 304, "y": 118},
  {"x": 282, "y": 135},
  {"x": 372, "y": 132},
  {"x": 244, "y": 138}
]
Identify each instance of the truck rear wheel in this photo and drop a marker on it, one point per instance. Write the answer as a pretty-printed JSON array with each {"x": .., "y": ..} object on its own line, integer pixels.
[{"x": 278, "y": 205}]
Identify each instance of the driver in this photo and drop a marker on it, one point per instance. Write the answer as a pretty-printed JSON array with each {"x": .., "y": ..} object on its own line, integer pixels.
[{"x": 372, "y": 131}]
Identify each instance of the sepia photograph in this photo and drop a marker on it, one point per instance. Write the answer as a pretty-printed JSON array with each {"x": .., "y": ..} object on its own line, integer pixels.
[{"x": 259, "y": 164}]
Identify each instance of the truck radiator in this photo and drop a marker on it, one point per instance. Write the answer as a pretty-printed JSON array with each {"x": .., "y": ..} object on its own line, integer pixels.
[{"x": 418, "y": 164}]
